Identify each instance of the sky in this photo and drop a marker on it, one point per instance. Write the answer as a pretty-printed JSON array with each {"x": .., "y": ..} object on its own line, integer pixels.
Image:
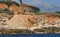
[{"x": 45, "y": 3}]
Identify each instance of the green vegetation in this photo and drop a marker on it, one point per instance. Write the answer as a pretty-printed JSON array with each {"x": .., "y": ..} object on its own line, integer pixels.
[
  {"x": 7, "y": 11},
  {"x": 39, "y": 13},
  {"x": 58, "y": 12},
  {"x": 9, "y": 2}
]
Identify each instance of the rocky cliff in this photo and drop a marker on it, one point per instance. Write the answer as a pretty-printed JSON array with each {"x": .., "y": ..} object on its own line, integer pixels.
[{"x": 10, "y": 18}]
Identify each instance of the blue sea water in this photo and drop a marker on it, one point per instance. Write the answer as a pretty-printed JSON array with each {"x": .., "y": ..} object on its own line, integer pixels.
[{"x": 30, "y": 35}]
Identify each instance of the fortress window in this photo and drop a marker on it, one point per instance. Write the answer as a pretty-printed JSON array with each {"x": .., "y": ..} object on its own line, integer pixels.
[
  {"x": 4, "y": 20},
  {"x": 24, "y": 10},
  {"x": 30, "y": 11}
]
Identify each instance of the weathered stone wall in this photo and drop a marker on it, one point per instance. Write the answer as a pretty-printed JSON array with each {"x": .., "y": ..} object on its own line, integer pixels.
[{"x": 26, "y": 9}]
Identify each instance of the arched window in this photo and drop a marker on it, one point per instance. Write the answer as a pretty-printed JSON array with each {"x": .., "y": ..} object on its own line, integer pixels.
[
  {"x": 24, "y": 10},
  {"x": 30, "y": 11}
]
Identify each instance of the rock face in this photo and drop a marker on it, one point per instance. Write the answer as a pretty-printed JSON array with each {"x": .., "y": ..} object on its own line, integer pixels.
[
  {"x": 23, "y": 20},
  {"x": 16, "y": 22},
  {"x": 32, "y": 22}
]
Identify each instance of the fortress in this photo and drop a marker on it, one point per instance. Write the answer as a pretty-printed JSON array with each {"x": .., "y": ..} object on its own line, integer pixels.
[{"x": 20, "y": 11}]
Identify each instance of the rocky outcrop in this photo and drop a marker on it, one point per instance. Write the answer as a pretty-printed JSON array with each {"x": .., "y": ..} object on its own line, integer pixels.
[
  {"x": 16, "y": 23},
  {"x": 32, "y": 22}
]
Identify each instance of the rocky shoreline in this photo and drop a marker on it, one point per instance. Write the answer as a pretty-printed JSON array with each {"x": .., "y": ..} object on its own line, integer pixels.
[{"x": 26, "y": 31}]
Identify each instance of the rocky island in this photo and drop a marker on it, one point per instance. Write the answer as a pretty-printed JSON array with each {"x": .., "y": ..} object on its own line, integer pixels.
[{"x": 20, "y": 18}]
